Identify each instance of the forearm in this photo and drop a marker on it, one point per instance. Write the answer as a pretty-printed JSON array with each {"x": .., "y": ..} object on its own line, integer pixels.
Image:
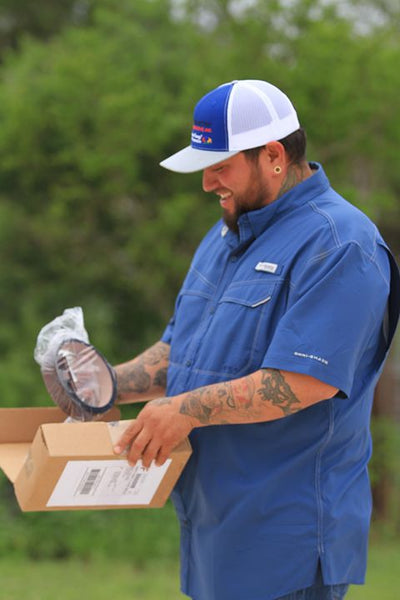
[
  {"x": 144, "y": 377},
  {"x": 265, "y": 395}
]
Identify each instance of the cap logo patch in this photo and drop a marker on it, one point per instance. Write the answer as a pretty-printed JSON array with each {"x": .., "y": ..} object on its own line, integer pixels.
[{"x": 200, "y": 133}]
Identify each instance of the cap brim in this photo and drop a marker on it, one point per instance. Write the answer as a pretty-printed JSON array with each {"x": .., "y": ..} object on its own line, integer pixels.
[{"x": 190, "y": 160}]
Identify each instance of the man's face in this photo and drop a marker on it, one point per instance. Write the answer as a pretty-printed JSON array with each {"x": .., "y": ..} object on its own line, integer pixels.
[{"x": 241, "y": 185}]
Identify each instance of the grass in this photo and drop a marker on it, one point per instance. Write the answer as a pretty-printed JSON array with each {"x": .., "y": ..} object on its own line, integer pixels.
[
  {"x": 383, "y": 574},
  {"x": 104, "y": 579},
  {"x": 99, "y": 579}
]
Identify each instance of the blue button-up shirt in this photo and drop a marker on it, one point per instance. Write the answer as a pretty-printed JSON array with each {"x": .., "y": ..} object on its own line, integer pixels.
[{"x": 304, "y": 287}]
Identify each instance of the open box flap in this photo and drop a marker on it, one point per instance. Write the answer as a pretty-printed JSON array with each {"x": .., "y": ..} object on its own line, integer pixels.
[
  {"x": 18, "y": 427},
  {"x": 76, "y": 439},
  {"x": 21, "y": 424},
  {"x": 12, "y": 457}
]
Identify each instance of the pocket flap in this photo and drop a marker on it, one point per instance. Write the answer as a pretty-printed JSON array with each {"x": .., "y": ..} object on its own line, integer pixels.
[{"x": 250, "y": 295}]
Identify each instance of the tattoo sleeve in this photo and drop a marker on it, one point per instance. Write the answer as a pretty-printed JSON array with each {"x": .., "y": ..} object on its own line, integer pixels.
[
  {"x": 276, "y": 391},
  {"x": 144, "y": 377},
  {"x": 262, "y": 396}
]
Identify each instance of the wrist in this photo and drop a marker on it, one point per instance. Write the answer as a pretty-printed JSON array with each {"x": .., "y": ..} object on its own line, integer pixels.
[{"x": 190, "y": 406}]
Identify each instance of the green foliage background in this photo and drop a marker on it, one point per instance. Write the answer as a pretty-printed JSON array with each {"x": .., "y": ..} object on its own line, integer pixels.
[{"x": 91, "y": 100}]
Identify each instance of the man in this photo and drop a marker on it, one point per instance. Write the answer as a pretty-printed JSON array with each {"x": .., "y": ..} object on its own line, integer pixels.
[{"x": 269, "y": 363}]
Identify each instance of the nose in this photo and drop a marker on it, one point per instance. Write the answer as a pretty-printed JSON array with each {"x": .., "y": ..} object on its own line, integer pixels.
[{"x": 209, "y": 180}]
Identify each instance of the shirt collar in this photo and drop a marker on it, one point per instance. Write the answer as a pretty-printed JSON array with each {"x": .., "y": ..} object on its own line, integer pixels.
[{"x": 253, "y": 223}]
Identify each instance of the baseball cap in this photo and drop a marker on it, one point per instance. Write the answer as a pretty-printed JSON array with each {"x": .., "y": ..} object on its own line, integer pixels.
[{"x": 235, "y": 116}]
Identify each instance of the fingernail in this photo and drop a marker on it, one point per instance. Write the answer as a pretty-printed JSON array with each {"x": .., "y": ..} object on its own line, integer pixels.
[{"x": 117, "y": 449}]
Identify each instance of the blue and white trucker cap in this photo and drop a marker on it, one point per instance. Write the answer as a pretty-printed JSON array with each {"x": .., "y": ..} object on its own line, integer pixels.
[{"x": 233, "y": 117}]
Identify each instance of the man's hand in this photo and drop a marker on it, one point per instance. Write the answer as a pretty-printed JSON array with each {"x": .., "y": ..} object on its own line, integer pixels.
[{"x": 157, "y": 430}]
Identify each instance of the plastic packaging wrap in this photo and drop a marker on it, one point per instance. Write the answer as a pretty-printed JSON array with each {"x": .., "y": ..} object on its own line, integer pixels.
[{"x": 76, "y": 375}]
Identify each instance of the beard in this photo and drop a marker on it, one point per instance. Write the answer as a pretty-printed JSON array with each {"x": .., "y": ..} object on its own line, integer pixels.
[{"x": 253, "y": 198}]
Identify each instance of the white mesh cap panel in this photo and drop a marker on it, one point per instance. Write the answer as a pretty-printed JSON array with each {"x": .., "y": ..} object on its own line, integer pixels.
[
  {"x": 282, "y": 105},
  {"x": 258, "y": 113},
  {"x": 249, "y": 110}
]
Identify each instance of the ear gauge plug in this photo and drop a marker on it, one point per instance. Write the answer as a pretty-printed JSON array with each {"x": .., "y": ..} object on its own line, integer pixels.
[{"x": 277, "y": 170}]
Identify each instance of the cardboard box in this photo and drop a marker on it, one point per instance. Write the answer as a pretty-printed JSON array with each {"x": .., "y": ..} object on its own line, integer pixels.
[{"x": 69, "y": 466}]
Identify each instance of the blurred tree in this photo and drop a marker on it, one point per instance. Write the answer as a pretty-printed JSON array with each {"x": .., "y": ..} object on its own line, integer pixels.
[
  {"x": 83, "y": 121},
  {"x": 41, "y": 19},
  {"x": 372, "y": 14}
]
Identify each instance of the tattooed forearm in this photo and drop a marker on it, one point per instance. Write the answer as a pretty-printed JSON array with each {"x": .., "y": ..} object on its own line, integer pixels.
[
  {"x": 200, "y": 404},
  {"x": 135, "y": 379},
  {"x": 244, "y": 393},
  {"x": 216, "y": 403},
  {"x": 145, "y": 376},
  {"x": 261, "y": 396},
  {"x": 156, "y": 354},
  {"x": 276, "y": 390},
  {"x": 160, "y": 378}
]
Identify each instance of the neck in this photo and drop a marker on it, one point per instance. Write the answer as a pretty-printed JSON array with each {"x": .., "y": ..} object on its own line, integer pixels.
[{"x": 295, "y": 174}]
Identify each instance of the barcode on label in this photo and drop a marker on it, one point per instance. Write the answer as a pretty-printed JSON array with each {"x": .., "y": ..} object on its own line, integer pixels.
[
  {"x": 91, "y": 479},
  {"x": 135, "y": 480}
]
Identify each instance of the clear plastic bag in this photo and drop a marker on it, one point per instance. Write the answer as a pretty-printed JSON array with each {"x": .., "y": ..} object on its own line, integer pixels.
[{"x": 76, "y": 375}]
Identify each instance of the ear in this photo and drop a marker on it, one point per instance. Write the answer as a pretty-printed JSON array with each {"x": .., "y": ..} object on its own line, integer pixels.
[{"x": 276, "y": 155}]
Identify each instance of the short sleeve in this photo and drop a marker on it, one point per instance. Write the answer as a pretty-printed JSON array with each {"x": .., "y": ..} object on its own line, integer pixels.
[
  {"x": 167, "y": 335},
  {"x": 336, "y": 310}
]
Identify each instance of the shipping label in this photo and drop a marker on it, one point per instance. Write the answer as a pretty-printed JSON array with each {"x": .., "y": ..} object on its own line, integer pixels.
[{"x": 106, "y": 483}]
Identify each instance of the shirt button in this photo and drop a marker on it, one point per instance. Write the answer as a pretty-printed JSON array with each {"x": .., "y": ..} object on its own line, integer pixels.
[
  {"x": 188, "y": 363},
  {"x": 234, "y": 258},
  {"x": 212, "y": 310}
]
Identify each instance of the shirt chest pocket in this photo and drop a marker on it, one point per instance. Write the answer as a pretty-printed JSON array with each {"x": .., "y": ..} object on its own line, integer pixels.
[
  {"x": 242, "y": 327},
  {"x": 249, "y": 295},
  {"x": 228, "y": 336}
]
